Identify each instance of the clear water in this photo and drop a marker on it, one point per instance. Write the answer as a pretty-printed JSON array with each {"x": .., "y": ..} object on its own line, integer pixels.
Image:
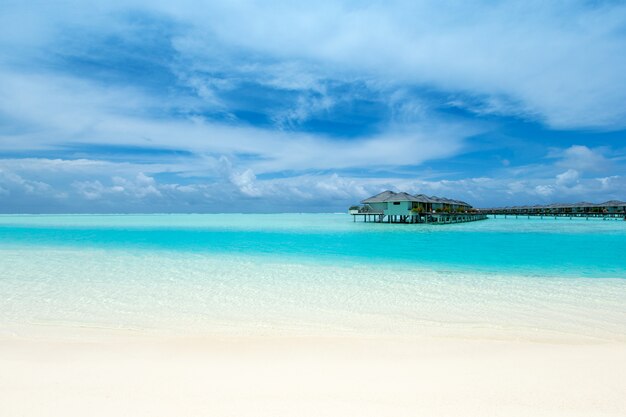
[{"x": 314, "y": 272}]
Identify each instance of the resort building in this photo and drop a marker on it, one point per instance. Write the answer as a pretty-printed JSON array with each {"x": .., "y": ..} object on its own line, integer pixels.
[
  {"x": 393, "y": 207},
  {"x": 608, "y": 209}
]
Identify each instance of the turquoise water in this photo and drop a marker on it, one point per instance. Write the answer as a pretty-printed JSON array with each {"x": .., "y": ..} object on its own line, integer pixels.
[
  {"x": 562, "y": 247},
  {"x": 314, "y": 273}
]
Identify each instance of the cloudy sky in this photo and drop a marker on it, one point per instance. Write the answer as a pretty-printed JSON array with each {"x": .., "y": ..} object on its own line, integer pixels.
[{"x": 163, "y": 106}]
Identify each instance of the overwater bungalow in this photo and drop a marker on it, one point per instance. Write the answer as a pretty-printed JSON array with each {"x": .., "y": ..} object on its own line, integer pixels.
[
  {"x": 401, "y": 207},
  {"x": 608, "y": 209}
]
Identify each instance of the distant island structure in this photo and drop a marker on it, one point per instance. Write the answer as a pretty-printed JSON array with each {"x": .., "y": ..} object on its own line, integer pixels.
[
  {"x": 401, "y": 207},
  {"x": 608, "y": 209}
]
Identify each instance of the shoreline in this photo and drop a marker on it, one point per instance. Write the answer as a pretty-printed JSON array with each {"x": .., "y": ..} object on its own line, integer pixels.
[
  {"x": 476, "y": 332},
  {"x": 231, "y": 295}
]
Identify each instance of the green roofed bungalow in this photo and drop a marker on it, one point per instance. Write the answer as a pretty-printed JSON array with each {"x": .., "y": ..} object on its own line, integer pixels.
[{"x": 400, "y": 207}]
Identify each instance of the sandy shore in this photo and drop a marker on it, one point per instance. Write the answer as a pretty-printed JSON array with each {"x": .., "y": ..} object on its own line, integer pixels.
[{"x": 106, "y": 374}]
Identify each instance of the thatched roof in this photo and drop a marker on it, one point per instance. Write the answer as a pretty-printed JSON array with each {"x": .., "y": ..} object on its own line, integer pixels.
[
  {"x": 391, "y": 196},
  {"x": 379, "y": 198},
  {"x": 613, "y": 203},
  {"x": 402, "y": 197}
]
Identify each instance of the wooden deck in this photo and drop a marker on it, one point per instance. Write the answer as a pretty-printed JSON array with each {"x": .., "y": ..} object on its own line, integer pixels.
[
  {"x": 517, "y": 214},
  {"x": 418, "y": 218},
  {"x": 613, "y": 209}
]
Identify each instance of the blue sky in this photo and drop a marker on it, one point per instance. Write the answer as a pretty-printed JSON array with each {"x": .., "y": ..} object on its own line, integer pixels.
[{"x": 187, "y": 106}]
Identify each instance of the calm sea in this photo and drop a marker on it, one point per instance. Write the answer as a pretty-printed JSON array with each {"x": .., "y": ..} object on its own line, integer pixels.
[{"x": 313, "y": 272}]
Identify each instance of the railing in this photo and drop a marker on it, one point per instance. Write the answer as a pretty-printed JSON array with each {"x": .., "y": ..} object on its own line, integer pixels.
[
  {"x": 606, "y": 214},
  {"x": 364, "y": 210}
]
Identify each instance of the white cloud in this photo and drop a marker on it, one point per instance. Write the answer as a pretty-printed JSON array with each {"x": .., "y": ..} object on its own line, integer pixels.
[
  {"x": 531, "y": 65},
  {"x": 562, "y": 63},
  {"x": 139, "y": 187},
  {"x": 75, "y": 111},
  {"x": 236, "y": 187},
  {"x": 567, "y": 178},
  {"x": 582, "y": 158},
  {"x": 544, "y": 190},
  {"x": 244, "y": 180},
  {"x": 307, "y": 105},
  {"x": 612, "y": 182},
  {"x": 91, "y": 190},
  {"x": 13, "y": 181}
]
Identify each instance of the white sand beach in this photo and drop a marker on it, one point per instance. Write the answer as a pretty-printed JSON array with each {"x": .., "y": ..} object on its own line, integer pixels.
[{"x": 102, "y": 373}]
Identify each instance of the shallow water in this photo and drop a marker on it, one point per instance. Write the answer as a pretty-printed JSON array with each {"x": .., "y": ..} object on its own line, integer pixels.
[
  {"x": 314, "y": 273},
  {"x": 562, "y": 247}
]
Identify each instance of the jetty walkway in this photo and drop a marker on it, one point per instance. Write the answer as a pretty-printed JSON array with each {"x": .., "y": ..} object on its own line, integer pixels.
[
  {"x": 608, "y": 210},
  {"x": 414, "y": 218}
]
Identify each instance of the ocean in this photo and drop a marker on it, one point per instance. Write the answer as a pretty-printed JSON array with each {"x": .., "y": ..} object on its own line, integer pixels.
[{"x": 314, "y": 274}]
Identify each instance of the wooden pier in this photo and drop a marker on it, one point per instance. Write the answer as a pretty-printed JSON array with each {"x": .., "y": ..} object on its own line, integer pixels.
[
  {"x": 415, "y": 218},
  {"x": 607, "y": 210}
]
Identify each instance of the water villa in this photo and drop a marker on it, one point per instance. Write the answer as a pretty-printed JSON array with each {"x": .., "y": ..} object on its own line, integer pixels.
[
  {"x": 392, "y": 207},
  {"x": 608, "y": 209}
]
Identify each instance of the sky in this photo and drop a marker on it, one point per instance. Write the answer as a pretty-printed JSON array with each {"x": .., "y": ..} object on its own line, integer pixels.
[{"x": 249, "y": 106}]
